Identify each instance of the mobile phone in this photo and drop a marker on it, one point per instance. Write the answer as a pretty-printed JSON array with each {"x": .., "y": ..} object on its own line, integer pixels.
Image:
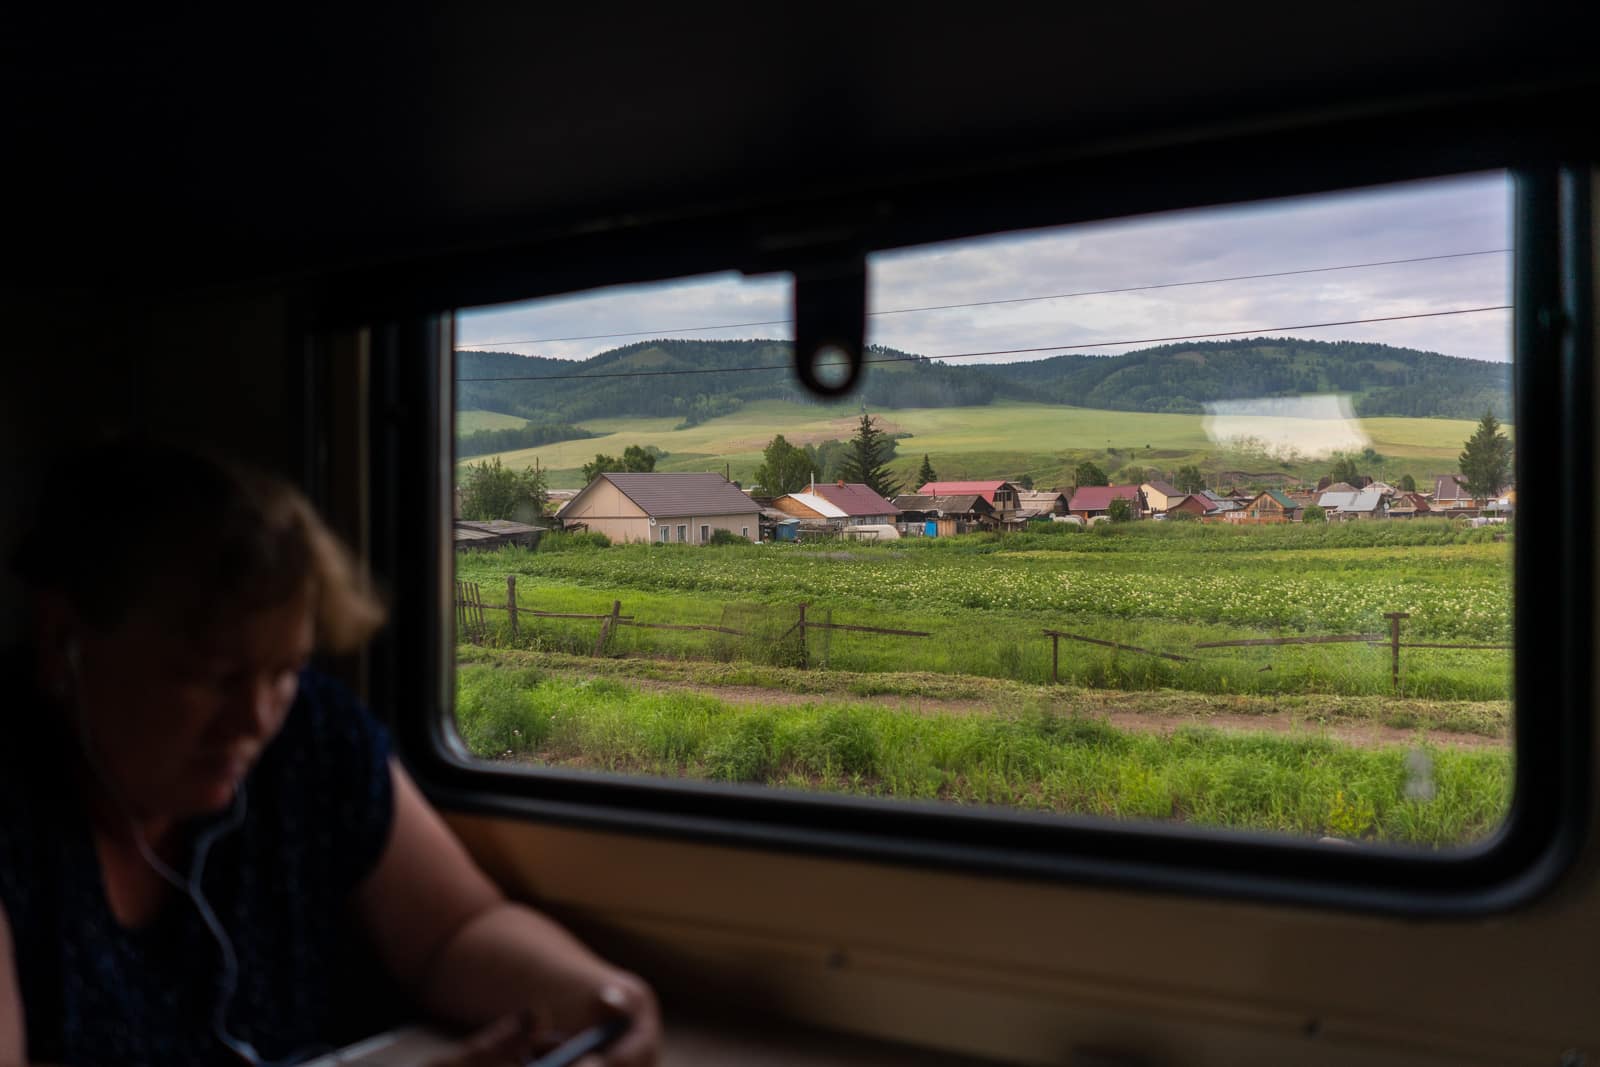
[{"x": 582, "y": 1043}]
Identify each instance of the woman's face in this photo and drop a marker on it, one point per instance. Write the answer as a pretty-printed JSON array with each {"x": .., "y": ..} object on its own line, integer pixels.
[{"x": 176, "y": 720}]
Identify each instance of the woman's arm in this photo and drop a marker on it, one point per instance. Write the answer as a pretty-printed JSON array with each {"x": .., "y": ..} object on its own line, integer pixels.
[{"x": 471, "y": 956}]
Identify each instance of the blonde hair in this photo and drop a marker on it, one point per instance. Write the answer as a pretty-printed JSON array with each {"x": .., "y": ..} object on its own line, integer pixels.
[{"x": 172, "y": 519}]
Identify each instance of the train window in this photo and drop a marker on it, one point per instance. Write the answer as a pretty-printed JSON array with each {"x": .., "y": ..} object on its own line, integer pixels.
[{"x": 1199, "y": 524}]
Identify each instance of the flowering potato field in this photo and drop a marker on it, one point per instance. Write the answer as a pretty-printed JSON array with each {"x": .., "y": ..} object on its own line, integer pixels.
[{"x": 988, "y": 598}]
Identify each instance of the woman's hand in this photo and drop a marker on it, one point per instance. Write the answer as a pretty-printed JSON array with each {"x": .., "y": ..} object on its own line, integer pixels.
[
  {"x": 513, "y": 1041},
  {"x": 627, "y": 995},
  {"x": 510, "y": 1042}
]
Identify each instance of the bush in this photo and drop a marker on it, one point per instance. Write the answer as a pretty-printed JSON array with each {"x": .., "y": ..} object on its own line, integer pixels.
[
  {"x": 727, "y": 537},
  {"x": 575, "y": 541}
]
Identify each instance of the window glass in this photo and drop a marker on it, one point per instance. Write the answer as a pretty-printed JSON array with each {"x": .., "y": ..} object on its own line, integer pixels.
[{"x": 1203, "y": 517}]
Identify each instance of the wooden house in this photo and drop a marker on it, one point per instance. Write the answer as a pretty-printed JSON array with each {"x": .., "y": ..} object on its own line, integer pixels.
[
  {"x": 1269, "y": 505},
  {"x": 946, "y": 516},
  {"x": 1409, "y": 506},
  {"x": 1040, "y": 505},
  {"x": 839, "y": 504},
  {"x": 1001, "y": 496}
]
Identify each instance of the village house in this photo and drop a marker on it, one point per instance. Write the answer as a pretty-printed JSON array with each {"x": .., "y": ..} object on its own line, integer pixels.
[
  {"x": 1159, "y": 495},
  {"x": 1196, "y": 504},
  {"x": 1224, "y": 504},
  {"x": 1041, "y": 504},
  {"x": 1091, "y": 501},
  {"x": 1452, "y": 498},
  {"x": 1001, "y": 496},
  {"x": 1331, "y": 500},
  {"x": 1409, "y": 506},
  {"x": 1302, "y": 497},
  {"x": 1367, "y": 504},
  {"x": 945, "y": 516},
  {"x": 1450, "y": 495},
  {"x": 1269, "y": 505},
  {"x": 839, "y": 505},
  {"x": 681, "y": 508}
]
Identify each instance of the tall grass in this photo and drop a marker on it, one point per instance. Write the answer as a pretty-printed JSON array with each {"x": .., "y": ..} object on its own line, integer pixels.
[{"x": 1032, "y": 758}]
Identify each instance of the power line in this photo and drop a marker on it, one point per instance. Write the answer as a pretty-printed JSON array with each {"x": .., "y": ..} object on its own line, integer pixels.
[
  {"x": 1011, "y": 300},
  {"x": 1003, "y": 351}
]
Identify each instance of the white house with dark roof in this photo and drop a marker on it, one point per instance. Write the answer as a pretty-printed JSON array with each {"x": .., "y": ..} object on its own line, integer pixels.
[{"x": 667, "y": 507}]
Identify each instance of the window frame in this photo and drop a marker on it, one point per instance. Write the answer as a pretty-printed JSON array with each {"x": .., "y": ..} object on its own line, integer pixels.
[{"x": 1544, "y": 828}]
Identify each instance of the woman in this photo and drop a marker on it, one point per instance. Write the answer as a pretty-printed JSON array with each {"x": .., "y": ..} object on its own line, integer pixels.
[{"x": 191, "y": 820}]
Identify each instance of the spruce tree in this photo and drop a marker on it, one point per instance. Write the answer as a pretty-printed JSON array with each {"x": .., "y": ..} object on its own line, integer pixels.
[
  {"x": 927, "y": 473},
  {"x": 1485, "y": 462},
  {"x": 866, "y": 460}
]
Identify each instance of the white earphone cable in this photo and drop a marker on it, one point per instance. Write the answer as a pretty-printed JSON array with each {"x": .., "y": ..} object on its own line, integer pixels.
[{"x": 191, "y": 887}]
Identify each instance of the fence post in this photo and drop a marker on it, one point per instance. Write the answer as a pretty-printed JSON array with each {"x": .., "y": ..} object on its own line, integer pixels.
[
  {"x": 511, "y": 602},
  {"x": 1394, "y": 618},
  {"x": 1055, "y": 659},
  {"x": 801, "y": 625},
  {"x": 606, "y": 626}
]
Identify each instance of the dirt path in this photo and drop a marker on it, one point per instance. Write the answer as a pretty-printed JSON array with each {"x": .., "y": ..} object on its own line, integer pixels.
[{"x": 1142, "y": 712}]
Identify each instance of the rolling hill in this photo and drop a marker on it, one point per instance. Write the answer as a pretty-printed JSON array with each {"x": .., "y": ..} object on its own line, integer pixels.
[{"x": 692, "y": 381}]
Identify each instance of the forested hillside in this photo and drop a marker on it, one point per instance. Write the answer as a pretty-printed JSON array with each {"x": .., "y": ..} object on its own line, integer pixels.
[{"x": 699, "y": 380}]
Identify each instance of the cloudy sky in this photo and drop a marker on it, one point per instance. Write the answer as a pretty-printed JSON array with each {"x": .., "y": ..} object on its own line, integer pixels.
[{"x": 1425, "y": 219}]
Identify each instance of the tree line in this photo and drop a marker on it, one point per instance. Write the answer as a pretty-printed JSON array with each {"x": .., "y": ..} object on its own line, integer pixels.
[{"x": 528, "y": 435}]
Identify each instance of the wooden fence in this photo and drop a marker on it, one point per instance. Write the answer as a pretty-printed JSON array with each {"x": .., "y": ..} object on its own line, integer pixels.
[
  {"x": 470, "y": 607},
  {"x": 1377, "y": 640}
]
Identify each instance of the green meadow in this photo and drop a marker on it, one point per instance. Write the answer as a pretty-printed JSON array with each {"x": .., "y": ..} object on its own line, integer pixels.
[
  {"x": 996, "y": 440},
  {"x": 1030, "y": 758}
]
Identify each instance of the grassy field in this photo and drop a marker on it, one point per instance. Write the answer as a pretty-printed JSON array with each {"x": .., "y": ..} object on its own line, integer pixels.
[
  {"x": 999, "y": 440},
  {"x": 473, "y": 421},
  {"x": 1028, "y": 757}
]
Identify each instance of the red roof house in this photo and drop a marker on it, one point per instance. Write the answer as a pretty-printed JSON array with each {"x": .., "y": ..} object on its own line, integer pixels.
[
  {"x": 1092, "y": 500},
  {"x": 857, "y": 501}
]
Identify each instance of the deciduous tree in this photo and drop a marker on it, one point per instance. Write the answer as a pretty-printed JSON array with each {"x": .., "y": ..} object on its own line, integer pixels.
[
  {"x": 784, "y": 468},
  {"x": 490, "y": 490},
  {"x": 1189, "y": 479},
  {"x": 635, "y": 460},
  {"x": 1087, "y": 473},
  {"x": 1344, "y": 470}
]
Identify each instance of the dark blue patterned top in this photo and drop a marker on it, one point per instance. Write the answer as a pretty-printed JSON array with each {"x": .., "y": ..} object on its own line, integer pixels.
[{"x": 93, "y": 992}]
